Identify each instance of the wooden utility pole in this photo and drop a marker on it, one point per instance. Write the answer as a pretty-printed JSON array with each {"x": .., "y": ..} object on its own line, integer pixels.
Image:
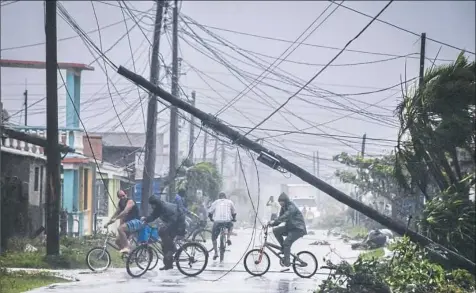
[
  {"x": 364, "y": 138},
  {"x": 151, "y": 132},
  {"x": 422, "y": 59},
  {"x": 275, "y": 161},
  {"x": 222, "y": 161},
  {"x": 1, "y": 177},
  {"x": 53, "y": 163},
  {"x": 25, "y": 95},
  {"x": 215, "y": 152},
  {"x": 205, "y": 141},
  {"x": 174, "y": 131},
  {"x": 191, "y": 139}
]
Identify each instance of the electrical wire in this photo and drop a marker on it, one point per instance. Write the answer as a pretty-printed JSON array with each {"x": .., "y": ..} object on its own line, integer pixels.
[
  {"x": 403, "y": 29},
  {"x": 320, "y": 71},
  {"x": 275, "y": 63}
]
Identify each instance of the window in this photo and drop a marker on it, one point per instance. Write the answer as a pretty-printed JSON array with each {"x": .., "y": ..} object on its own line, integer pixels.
[
  {"x": 37, "y": 179},
  {"x": 85, "y": 189}
]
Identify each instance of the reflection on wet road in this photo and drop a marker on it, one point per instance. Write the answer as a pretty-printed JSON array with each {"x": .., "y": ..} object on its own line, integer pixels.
[{"x": 217, "y": 277}]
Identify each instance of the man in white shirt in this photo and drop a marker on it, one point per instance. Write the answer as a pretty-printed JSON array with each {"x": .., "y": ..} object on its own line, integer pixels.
[
  {"x": 222, "y": 212},
  {"x": 275, "y": 208}
]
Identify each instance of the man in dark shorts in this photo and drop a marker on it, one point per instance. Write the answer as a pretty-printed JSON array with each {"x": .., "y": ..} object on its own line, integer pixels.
[{"x": 128, "y": 212}]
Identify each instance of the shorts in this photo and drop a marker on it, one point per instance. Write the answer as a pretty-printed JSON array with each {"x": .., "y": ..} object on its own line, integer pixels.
[
  {"x": 217, "y": 227},
  {"x": 133, "y": 225}
]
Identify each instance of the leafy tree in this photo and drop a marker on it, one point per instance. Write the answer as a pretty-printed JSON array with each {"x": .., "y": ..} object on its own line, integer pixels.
[
  {"x": 201, "y": 176},
  {"x": 437, "y": 130}
]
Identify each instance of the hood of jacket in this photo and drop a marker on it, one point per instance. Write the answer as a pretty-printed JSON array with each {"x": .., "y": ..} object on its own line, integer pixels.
[{"x": 284, "y": 197}]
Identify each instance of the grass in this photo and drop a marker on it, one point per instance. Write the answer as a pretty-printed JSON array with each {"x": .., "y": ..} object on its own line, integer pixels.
[
  {"x": 15, "y": 282},
  {"x": 356, "y": 232},
  {"x": 73, "y": 253},
  {"x": 373, "y": 254}
]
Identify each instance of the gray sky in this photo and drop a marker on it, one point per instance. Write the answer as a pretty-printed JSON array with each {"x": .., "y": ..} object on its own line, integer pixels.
[{"x": 452, "y": 22}]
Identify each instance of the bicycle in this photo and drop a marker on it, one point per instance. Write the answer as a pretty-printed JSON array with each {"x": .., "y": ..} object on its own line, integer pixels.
[
  {"x": 181, "y": 248},
  {"x": 201, "y": 234},
  {"x": 223, "y": 239},
  {"x": 103, "y": 252},
  {"x": 276, "y": 250}
]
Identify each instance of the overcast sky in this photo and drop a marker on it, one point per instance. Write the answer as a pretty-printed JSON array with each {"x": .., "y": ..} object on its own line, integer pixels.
[{"x": 327, "y": 107}]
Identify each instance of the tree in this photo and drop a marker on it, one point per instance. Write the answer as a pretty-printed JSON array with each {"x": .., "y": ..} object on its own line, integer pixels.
[
  {"x": 437, "y": 130},
  {"x": 201, "y": 176},
  {"x": 374, "y": 176}
]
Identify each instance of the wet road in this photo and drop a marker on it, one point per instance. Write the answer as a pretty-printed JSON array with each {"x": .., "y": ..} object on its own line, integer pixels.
[{"x": 228, "y": 277}]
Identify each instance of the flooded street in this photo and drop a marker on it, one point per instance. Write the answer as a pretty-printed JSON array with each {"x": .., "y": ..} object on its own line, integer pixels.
[{"x": 227, "y": 277}]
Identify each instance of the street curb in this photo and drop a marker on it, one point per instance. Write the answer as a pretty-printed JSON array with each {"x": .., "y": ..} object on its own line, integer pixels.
[{"x": 56, "y": 273}]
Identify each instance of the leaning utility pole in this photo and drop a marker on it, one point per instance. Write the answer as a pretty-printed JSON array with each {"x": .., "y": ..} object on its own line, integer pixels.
[
  {"x": 173, "y": 159},
  {"x": 25, "y": 95},
  {"x": 278, "y": 162},
  {"x": 151, "y": 132},
  {"x": 53, "y": 162},
  {"x": 205, "y": 141},
  {"x": 191, "y": 139}
]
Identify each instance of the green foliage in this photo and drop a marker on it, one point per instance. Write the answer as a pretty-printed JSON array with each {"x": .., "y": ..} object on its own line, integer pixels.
[
  {"x": 72, "y": 254},
  {"x": 450, "y": 219},
  {"x": 408, "y": 271},
  {"x": 203, "y": 176},
  {"x": 21, "y": 281},
  {"x": 373, "y": 254}
]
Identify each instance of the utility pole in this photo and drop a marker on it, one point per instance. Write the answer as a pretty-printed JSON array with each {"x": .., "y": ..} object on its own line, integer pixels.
[
  {"x": 53, "y": 162},
  {"x": 277, "y": 162},
  {"x": 222, "y": 161},
  {"x": 205, "y": 138},
  {"x": 173, "y": 110},
  {"x": 25, "y": 95},
  {"x": 215, "y": 150},
  {"x": 364, "y": 138},
  {"x": 191, "y": 139},
  {"x": 1, "y": 178},
  {"x": 422, "y": 59},
  {"x": 151, "y": 132}
]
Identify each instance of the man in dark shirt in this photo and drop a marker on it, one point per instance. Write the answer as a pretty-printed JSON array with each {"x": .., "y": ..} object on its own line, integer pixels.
[
  {"x": 173, "y": 219},
  {"x": 128, "y": 213}
]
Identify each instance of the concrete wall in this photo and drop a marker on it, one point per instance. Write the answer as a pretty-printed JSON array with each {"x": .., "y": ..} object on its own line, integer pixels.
[{"x": 23, "y": 167}]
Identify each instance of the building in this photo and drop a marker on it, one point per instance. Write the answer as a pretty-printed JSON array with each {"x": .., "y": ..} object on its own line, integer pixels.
[{"x": 27, "y": 164}]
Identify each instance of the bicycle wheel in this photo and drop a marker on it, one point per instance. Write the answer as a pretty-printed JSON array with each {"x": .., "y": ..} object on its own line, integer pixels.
[
  {"x": 184, "y": 259},
  {"x": 142, "y": 256},
  {"x": 100, "y": 253},
  {"x": 204, "y": 237},
  {"x": 306, "y": 260},
  {"x": 261, "y": 258},
  {"x": 222, "y": 245}
]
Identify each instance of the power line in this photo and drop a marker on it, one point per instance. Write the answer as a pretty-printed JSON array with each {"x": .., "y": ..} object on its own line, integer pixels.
[
  {"x": 403, "y": 29},
  {"x": 320, "y": 71},
  {"x": 308, "y": 44}
]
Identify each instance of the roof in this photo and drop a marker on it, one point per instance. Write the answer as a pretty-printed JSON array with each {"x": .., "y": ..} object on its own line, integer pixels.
[
  {"x": 120, "y": 139},
  {"x": 42, "y": 65}
]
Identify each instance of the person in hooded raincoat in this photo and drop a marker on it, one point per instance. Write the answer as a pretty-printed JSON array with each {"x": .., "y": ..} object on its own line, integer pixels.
[{"x": 294, "y": 226}]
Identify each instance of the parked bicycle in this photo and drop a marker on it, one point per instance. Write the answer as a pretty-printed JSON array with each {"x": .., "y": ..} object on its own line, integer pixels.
[
  {"x": 263, "y": 258},
  {"x": 143, "y": 255}
]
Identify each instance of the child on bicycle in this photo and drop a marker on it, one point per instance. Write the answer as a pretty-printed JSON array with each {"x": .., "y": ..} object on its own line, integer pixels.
[
  {"x": 223, "y": 214},
  {"x": 294, "y": 226}
]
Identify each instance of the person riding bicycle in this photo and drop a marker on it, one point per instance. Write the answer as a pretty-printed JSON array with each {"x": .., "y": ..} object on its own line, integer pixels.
[
  {"x": 173, "y": 221},
  {"x": 223, "y": 214},
  {"x": 294, "y": 227},
  {"x": 128, "y": 212},
  {"x": 181, "y": 204}
]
